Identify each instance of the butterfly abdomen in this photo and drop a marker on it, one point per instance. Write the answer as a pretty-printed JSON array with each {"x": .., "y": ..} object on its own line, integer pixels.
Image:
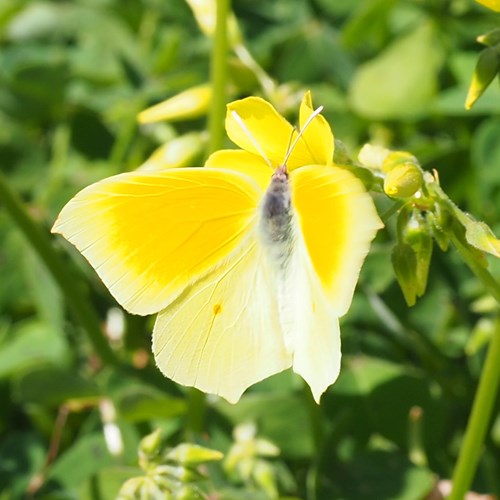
[{"x": 276, "y": 217}]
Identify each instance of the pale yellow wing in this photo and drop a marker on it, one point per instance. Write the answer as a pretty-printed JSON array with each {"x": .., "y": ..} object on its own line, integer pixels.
[
  {"x": 338, "y": 221},
  {"x": 223, "y": 333},
  {"x": 149, "y": 235},
  {"x": 309, "y": 322}
]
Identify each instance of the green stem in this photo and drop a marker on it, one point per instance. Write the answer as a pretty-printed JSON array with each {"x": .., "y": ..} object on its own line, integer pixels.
[
  {"x": 41, "y": 244},
  {"x": 479, "y": 420},
  {"x": 392, "y": 210},
  {"x": 218, "y": 78},
  {"x": 196, "y": 414},
  {"x": 315, "y": 420},
  {"x": 123, "y": 141},
  {"x": 484, "y": 400},
  {"x": 482, "y": 407},
  {"x": 482, "y": 273}
]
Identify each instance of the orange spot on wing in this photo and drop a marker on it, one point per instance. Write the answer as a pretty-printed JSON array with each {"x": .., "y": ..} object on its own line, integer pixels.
[{"x": 217, "y": 309}]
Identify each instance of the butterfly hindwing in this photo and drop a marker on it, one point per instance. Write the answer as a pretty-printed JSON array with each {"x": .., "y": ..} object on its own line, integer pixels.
[
  {"x": 309, "y": 322},
  {"x": 223, "y": 333}
]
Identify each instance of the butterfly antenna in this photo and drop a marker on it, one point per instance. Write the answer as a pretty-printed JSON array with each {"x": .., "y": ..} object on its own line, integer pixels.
[
  {"x": 313, "y": 115},
  {"x": 240, "y": 122}
]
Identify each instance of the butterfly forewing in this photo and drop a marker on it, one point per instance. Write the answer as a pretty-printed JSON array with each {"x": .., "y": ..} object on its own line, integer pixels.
[
  {"x": 149, "y": 235},
  {"x": 337, "y": 221}
]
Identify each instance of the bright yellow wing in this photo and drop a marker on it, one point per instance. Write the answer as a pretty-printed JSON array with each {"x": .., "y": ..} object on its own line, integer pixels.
[
  {"x": 223, "y": 333},
  {"x": 338, "y": 221},
  {"x": 149, "y": 235}
]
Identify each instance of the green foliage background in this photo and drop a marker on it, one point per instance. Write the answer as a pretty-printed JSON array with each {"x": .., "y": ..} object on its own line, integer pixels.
[{"x": 74, "y": 75}]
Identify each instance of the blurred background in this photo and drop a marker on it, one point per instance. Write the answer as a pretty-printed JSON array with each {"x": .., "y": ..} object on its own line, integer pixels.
[{"x": 73, "y": 77}]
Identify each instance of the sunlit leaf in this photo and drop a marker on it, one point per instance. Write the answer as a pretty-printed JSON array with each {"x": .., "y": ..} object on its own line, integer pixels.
[
  {"x": 403, "y": 80},
  {"x": 479, "y": 235}
]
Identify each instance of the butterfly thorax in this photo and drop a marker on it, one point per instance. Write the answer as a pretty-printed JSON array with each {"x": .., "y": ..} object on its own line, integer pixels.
[{"x": 277, "y": 215}]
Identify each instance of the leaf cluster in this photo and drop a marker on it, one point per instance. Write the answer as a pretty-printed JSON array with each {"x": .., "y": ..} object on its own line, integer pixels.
[{"x": 73, "y": 77}]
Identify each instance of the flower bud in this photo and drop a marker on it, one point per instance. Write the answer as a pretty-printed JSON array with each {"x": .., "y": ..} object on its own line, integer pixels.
[
  {"x": 395, "y": 158},
  {"x": 373, "y": 156},
  {"x": 191, "y": 103},
  {"x": 403, "y": 180},
  {"x": 205, "y": 12},
  {"x": 149, "y": 449},
  {"x": 404, "y": 262},
  {"x": 192, "y": 454},
  {"x": 417, "y": 236},
  {"x": 487, "y": 67},
  {"x": 265, "y": 448},
  {"x": 491, "y": 38},
  {"x": 132, "y": 488},
  {"x": 178, "y": 152}
]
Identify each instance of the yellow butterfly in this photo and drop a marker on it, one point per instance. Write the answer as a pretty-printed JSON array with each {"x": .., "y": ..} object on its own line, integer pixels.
[{"x": 249, "y": 268}]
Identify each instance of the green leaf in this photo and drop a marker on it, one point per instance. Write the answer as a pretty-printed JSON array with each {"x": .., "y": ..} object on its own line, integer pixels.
[
  {"x": 403, "y": 80},
  {"x": 368, "y": 22},
  {"x": 46, "y": 294},
  {"x": 450, "y": 102},
  {"x": 382, "y": 474},
  {"x": 486, "y": 69},
  {"x": 107, "y": 482},
  {"x": 36, "y": 20},
  {"x": 22, "y": 456},
  {"x": 365, "y": 374},
  {"x": 84, "y": 458},
  {"x": 54, "y": 386},
  {"x": 30, "y": 345},
  {"x": 141, "y": 403},
  {"x": 485, "y": 153},
  {"x": 272, "y": 411},
  {"x": 377, "y": 271},
  {"x": 315, "y": 54}
]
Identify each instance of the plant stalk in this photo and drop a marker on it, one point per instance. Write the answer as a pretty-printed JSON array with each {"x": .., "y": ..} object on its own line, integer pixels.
[
  {"x": 218, "y": 77},
  {"x": 479, "y": 421},
  {"x": 216, "y": 130},
  {"x": 484, "y": 400}
]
